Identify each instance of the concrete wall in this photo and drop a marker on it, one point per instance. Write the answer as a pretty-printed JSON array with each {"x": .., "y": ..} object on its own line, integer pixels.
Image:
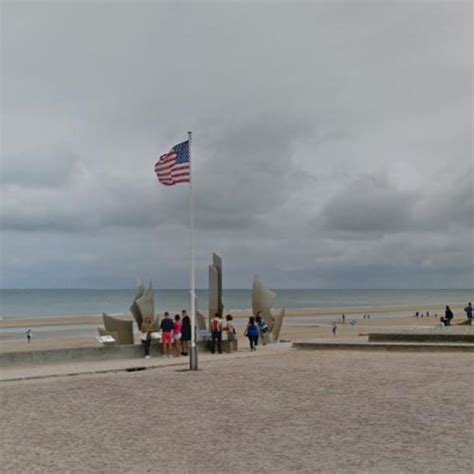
[
  {"x": 419, "y": 337},
  {"x": 380, "y": 346},
  {"x": 84, "y": 354}
]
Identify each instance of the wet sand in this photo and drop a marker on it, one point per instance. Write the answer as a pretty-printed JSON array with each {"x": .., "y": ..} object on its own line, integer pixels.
[
  {"x": 295, "y": 328},
  {"x": 347, "y": 412},
  {"x": 239, "y": 314}
]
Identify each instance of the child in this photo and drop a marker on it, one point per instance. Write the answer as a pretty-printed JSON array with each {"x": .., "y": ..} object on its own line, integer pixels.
[{"x": 251, "y": 331}]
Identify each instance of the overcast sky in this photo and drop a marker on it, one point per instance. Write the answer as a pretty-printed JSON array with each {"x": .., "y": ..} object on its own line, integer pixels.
[{"x": 332, "y": 143}]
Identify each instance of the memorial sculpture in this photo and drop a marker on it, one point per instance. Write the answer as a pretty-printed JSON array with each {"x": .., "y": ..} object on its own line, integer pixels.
[
  {"x": 262, "y": 300},
  {"x": 143, "y": 304},
  {"x": 215, "y": 287},
  {"x": 120, "y": 329}
]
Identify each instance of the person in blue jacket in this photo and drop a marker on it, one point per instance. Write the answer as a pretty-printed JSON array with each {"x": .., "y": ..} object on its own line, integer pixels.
[{"x": 252, "y": 332}]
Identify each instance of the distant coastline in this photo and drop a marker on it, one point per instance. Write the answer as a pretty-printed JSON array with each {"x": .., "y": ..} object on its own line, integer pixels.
[{"x": 39, "y": 304}]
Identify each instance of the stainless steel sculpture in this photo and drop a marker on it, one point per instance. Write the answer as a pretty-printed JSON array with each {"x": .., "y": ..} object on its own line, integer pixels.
[
  {"x": 215, "y": 287},
  {"x": 262, "y": 300},
  {"x": 134, "y": 308},
  {"x": 143, "y": 304},
  {"x": 120, "y": 329}
]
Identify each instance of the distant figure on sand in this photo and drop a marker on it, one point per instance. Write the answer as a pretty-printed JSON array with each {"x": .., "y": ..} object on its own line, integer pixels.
[
  {"x": 343, "y": 319},
  {"x": 29, "y": 333},
  {"x": 231, "y": 333},
  {"x": 448, "y": 316},
  {"x": 216, "y": 334},
  {"x": 185, "y": 332},
  {"x": 468, "y": 310},
  {"x": 167, "y": 326},
  {"x": 251, "y": 331},
  {"x": 334, "y": 328},
  {"x": 147, "y": 328}
]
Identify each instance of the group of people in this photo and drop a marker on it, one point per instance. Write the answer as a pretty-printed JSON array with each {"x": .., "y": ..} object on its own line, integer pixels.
[
  {"x": 421, "y": 315},
  {"x": 255, "y": 329},
  {"x": 175, "y": 334},
  {"x": 448, "y": 315}
]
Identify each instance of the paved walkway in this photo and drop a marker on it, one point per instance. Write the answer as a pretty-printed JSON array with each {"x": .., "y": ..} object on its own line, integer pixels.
[{"x": 39, "y": 371}]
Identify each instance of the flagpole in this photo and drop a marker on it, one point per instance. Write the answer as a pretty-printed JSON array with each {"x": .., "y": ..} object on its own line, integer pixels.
[{"x": 193, "y": 359}]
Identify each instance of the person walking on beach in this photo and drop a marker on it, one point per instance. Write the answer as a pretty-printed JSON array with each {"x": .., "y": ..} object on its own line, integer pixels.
[
  {"x": 251, "y": 331},
  {"x": 343, "y": 319},
  {"x": 148, "y": 326},
  {"x": 29, "y": 333},
  {"x": 262, "y": 327},
  {"x": 177, "y": 334},
  {"x": 185, "y": 332},
  {"x": 448, "y": 316},
  {"x": 231, "y": 333},
  {"x": 167, "y": 326},
  {"x": 468, "y": 310},
  {"x": 216, "y": 334},
  {"x": 334, "y": 328}
]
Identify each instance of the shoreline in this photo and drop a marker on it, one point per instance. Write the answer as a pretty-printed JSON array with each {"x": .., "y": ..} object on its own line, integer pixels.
[{"x": 91, "y": 319}]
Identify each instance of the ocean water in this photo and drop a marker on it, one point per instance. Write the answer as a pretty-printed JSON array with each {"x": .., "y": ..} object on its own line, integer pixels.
[{"x": 31, "y": 303}]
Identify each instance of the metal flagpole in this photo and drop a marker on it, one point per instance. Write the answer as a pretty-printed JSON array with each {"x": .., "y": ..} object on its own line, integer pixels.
[{"x": 193, "y": 355}]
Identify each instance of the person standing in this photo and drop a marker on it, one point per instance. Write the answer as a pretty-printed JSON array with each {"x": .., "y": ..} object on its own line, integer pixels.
[
  {"x": 231, "y": 333},
  {"x": 148, "y": 326},
  {"x": 216, "y": 334},
  {"x": 29, "y": 333},
  {"x": 251, "y": 331},
  {"x": 262, "y": 327},
  {"x": 343, "y": 319},
  {"x": 185, "y": 332},
  {"x": 177, "y": 335},
  {"x": 448, "y": 316},
  {"x": 167, "y": 326},
  {"x": 468, "y": 310},
  {"x": 334, "y": 329}
]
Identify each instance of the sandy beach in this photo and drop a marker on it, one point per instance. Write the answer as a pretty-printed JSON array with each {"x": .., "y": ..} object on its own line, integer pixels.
[
  {"x": 299, "y": 325},
  {"x": 239, "y": 314},
  {"x": 292, "y": 412}
]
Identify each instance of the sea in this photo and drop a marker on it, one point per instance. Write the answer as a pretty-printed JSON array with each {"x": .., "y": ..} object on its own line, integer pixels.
[{"x": 38, "y": 303}]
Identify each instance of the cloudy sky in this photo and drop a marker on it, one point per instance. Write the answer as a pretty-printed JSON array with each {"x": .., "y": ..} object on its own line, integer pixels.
[{"x": 332, "y": 143}]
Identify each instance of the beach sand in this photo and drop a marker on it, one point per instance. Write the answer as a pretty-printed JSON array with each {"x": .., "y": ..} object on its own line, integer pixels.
[
  {"x": 240, "y": 314},
  {"x": 296, "y": 411},
  {"x": 299, "y": 325}
]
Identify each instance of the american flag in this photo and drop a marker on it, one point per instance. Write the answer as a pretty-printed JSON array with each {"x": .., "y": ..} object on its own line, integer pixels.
[{"x": 173, "y": 167}]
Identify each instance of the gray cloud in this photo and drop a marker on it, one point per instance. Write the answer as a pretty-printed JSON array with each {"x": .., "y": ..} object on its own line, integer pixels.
[
  {"x": 42, "y": 167},
  {"x": 332, "y": 143},
  {"x": 370, "y": 204}
]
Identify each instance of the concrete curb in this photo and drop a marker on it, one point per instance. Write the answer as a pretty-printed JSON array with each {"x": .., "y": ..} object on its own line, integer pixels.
[{"x": 378, "y": 346}]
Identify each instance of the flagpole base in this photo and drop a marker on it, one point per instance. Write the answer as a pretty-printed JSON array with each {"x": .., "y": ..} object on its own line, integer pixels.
[{"x": 193, "y": 358}]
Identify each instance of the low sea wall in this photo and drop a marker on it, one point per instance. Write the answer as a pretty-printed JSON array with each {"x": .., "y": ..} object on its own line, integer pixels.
[
  {"x": 85, "y": 354},
  {"x": 422, "y": 337}
]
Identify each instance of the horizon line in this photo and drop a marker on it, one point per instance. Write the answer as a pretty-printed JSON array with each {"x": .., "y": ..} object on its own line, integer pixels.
[{"x": 239, "y": 289}]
